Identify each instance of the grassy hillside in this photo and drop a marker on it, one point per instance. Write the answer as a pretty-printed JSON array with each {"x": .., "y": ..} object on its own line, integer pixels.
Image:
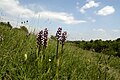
[{"x": 75, "y": 63}]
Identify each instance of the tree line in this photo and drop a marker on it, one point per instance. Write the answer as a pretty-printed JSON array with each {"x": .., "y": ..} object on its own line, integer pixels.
[{"x": 109, "y": 47}]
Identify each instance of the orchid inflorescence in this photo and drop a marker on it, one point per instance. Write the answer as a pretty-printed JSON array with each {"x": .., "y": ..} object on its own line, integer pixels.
[
  {"x": 42, "y": 38},
  {"x": 58, "y": 34},
  {"x": 61, "y": 36},
  {"x": 45, "y": 37}
]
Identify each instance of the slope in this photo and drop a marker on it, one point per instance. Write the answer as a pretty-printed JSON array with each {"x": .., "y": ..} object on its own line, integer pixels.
[{"x": 75, "y": 63}]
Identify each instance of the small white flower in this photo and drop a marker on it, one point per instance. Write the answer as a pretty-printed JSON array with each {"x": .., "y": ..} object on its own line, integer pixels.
[
  {"x": 25, "y": 57},
  {"x": 1, "y": 38},
  {"x": 49, "y": 60}
]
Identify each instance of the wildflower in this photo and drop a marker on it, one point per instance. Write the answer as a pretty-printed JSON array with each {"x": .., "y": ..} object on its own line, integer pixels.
[
  {"x": 63, "y": 38},
  {"x": 25, "y": 57},
  {"x": 45, "y": 37},
  {"x": 40, "y": 38},
  {"x": 58, "y": 34},
  {"x": 49, "y": 60}
]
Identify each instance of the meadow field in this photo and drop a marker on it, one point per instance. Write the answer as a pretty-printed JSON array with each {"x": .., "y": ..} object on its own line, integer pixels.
[{"x": 19, "y": 59}]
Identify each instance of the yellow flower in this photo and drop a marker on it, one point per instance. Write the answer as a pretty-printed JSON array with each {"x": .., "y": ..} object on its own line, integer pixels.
[{"x": 25, "y": 57}]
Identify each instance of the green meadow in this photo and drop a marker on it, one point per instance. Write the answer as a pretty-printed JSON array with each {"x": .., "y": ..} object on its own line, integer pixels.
[{"x": 19, "y": 59}]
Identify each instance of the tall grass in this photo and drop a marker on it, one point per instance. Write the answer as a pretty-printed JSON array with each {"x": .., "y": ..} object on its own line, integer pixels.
[{"x": 75, "y": 63}]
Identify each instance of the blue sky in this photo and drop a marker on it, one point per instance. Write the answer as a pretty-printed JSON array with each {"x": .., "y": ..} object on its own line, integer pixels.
[{"x": 82, "y": 19}]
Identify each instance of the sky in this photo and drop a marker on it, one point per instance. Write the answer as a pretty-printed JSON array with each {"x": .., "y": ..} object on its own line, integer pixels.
[{"x": 82, "y": 19}]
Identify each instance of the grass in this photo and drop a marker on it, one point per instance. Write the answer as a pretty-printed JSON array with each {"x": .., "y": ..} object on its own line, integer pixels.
[{"x": 75, "y": 63}]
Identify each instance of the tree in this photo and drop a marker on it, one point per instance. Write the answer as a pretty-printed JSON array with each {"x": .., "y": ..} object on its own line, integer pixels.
[
  {"x": 52, "y": 37},
  {"x": 24, "y": 28}
]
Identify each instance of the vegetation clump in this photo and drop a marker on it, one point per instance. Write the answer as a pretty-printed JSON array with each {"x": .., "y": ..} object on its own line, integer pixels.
[{"x": 107, "y": 47}]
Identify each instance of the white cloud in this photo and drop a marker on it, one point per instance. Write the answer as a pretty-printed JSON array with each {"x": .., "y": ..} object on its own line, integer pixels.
[
  {"x": 99, "y": 30},
  {"x": 107, "y": 10},
  {"x": 89, "y": 4},
  {"x": 116, "y": 30},
  {"x": 14, "y": 8},
  {"x": 67, "y": 18}
]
